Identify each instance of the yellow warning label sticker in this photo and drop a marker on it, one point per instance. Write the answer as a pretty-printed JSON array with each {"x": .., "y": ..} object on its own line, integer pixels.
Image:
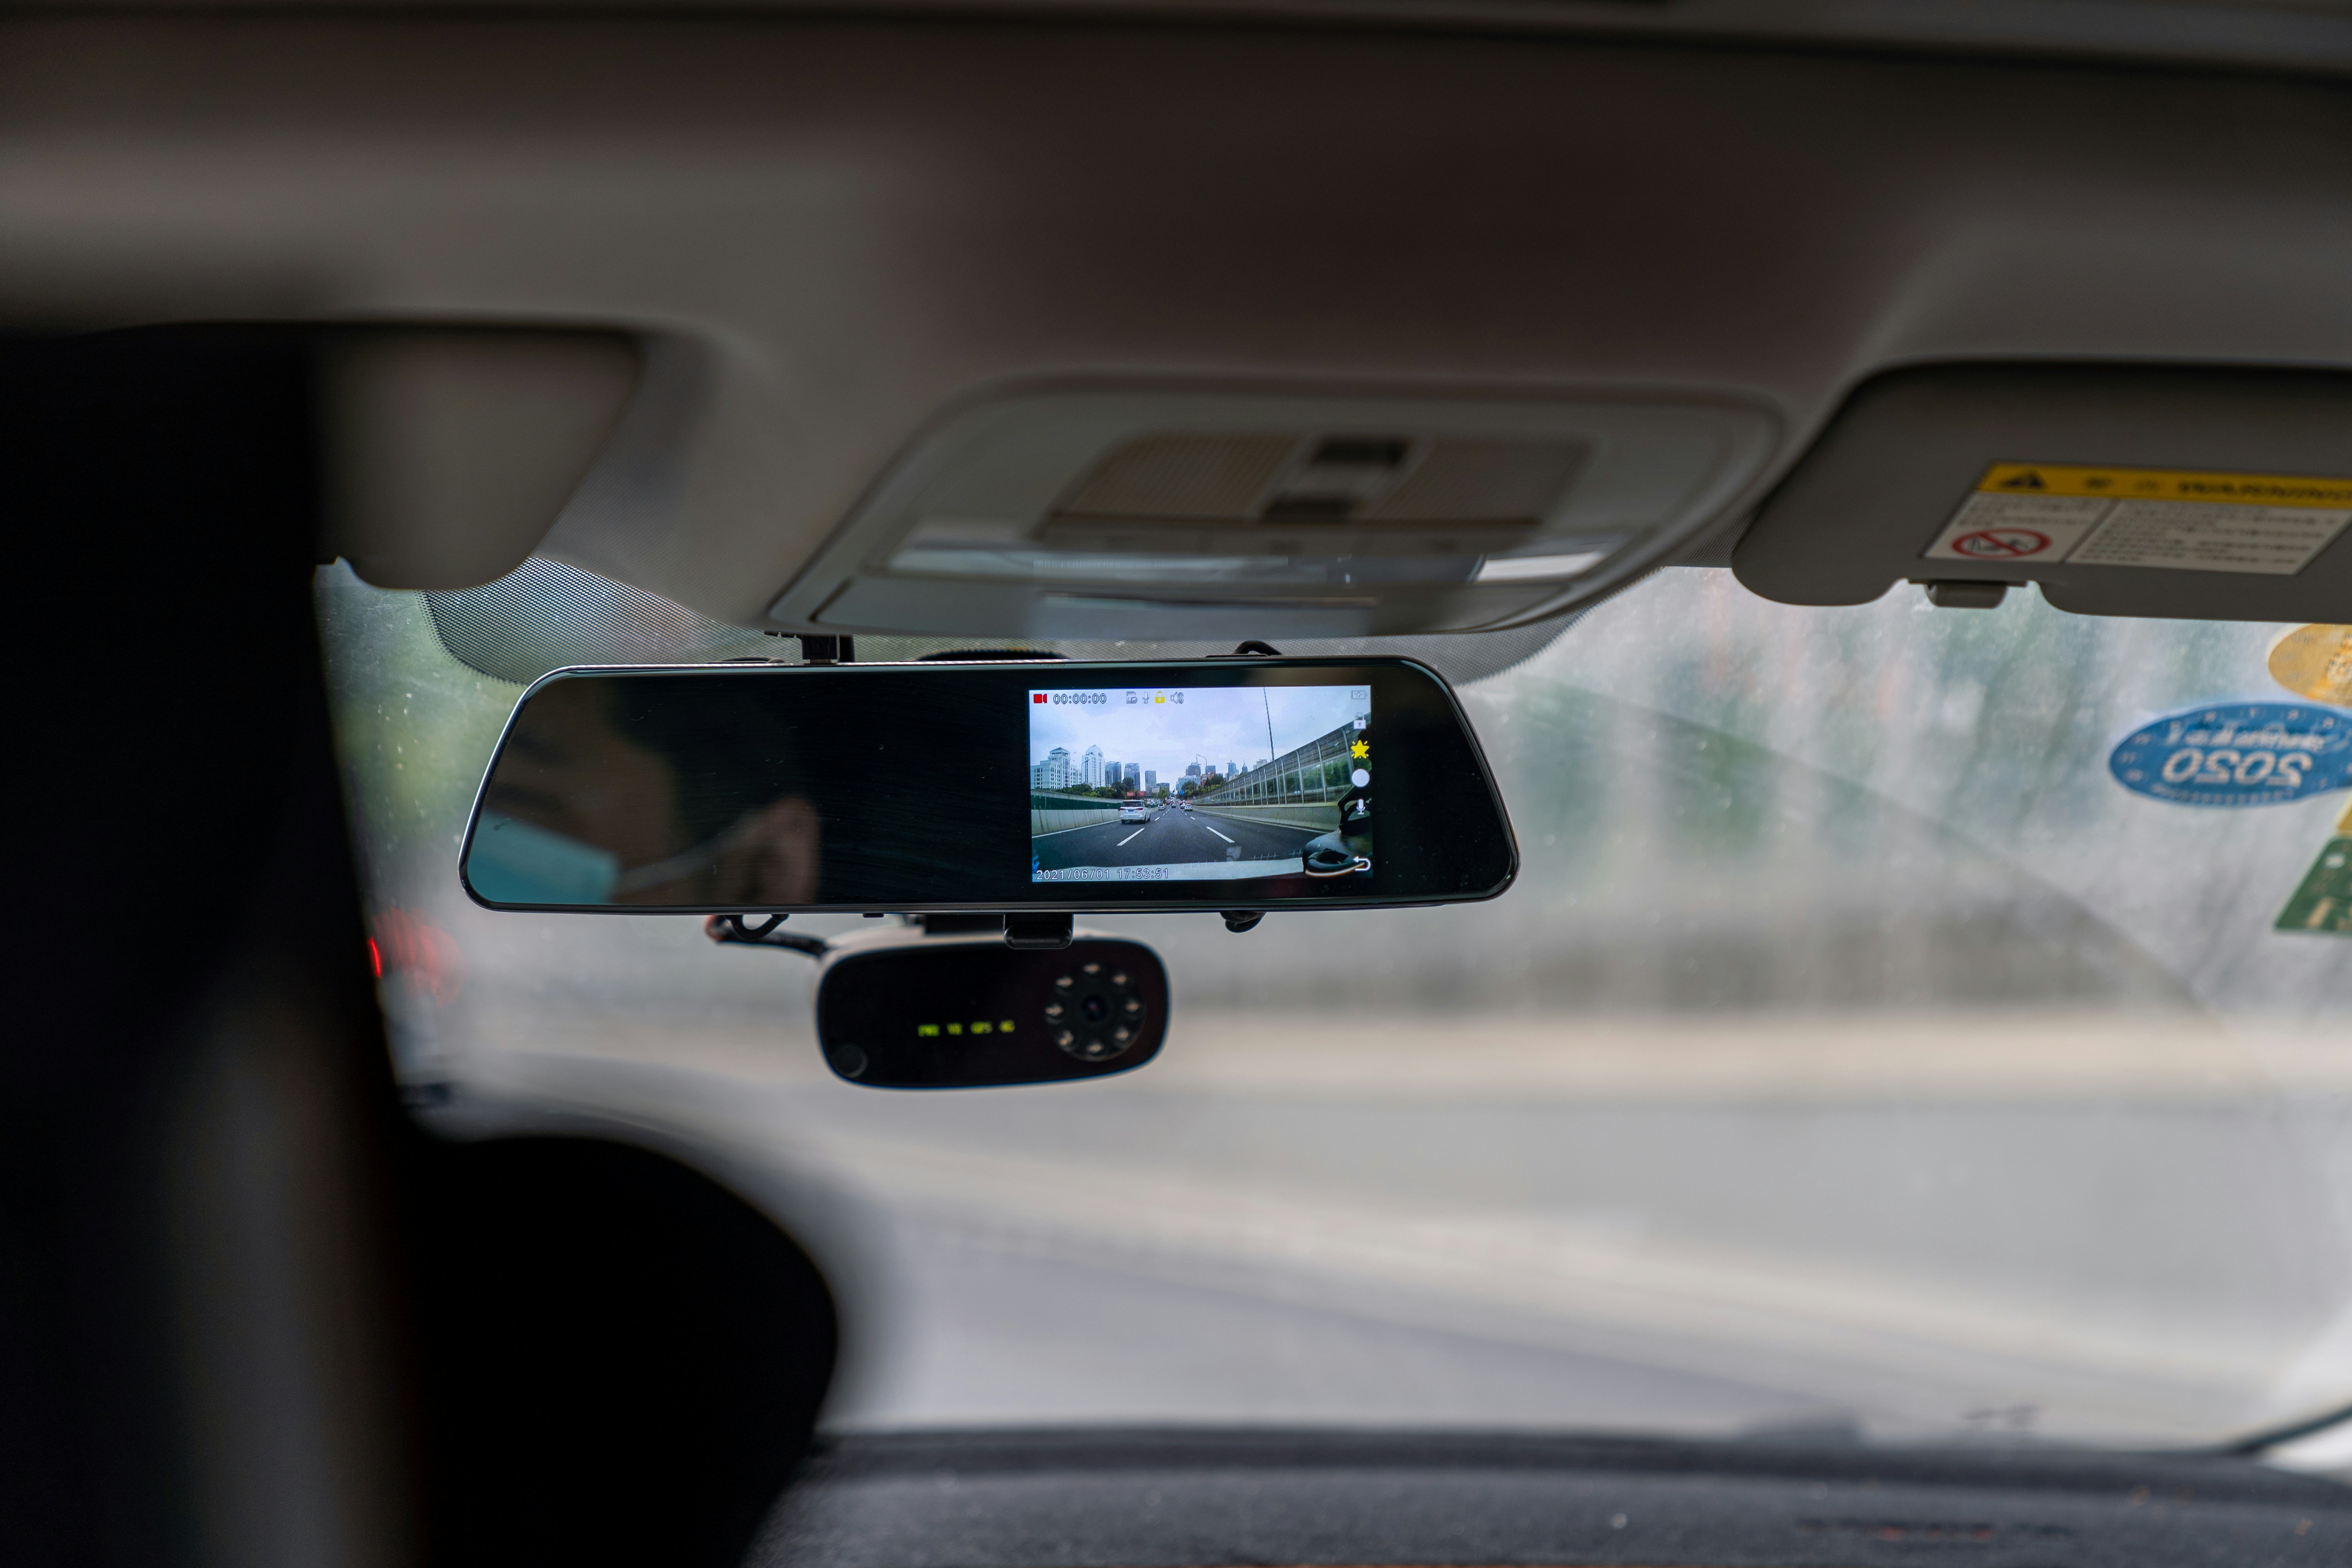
[
  {"x": 2180, "y": 518},
  {"x": 2164, "y": 484}
]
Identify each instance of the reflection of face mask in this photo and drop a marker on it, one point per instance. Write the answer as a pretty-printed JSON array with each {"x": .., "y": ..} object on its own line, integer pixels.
[
  {"x": 515, "y": 862},
  {"x": 544, "y": 868}
]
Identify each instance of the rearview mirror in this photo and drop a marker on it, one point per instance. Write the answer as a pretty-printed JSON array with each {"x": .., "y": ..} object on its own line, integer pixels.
[{"x": 1241, "y": 783}]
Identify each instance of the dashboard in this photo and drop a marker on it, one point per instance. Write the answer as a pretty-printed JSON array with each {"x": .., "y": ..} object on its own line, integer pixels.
[{"x": 1060, "y": 1499}]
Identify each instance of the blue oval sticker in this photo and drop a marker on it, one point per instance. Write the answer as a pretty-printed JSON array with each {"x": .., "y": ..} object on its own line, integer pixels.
[{"x": 2237, "y": 753}]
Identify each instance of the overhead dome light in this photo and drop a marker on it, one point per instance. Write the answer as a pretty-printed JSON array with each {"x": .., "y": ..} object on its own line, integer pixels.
[{"x": 1153, "y": 514}]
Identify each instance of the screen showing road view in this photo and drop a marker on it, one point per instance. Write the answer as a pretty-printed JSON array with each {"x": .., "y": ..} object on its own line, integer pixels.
[{"x": 1195, "y": 784}]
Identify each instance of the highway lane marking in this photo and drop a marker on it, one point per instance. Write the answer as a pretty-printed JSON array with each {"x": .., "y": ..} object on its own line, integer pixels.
[
  {"x": 1136, "y": 833},
  {"x": 1081, "y": 827},
  {"x": 1219, "y": 834}
]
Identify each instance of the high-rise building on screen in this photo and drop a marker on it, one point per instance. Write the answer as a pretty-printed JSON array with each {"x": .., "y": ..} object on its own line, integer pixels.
[
  {"x": 1090, "y": 767},
  {"x": 1150, "y": 779},
  {"x": 1134, "y": 774}
]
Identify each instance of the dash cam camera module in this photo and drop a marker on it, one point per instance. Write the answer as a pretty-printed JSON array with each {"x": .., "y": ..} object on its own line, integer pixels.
[
  {"x": 1200, "y": 783},
  {"x": 913, "y": 1012}
]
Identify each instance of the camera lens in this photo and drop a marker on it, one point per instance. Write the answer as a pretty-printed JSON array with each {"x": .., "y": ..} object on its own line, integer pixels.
[{"x": 1092, "y": 1013}]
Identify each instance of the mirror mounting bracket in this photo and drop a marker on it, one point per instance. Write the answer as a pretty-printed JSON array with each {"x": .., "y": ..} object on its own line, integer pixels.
[
  {"x": 735, "y": 929},
  {"x": 1242, "y": 920},
  {"x": 1030, "y": 931},
  {"x": 828, "y": 650}
]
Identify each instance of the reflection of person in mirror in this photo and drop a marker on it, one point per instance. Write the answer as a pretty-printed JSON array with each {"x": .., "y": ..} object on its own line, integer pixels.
[{"x": 693, "y": 814}]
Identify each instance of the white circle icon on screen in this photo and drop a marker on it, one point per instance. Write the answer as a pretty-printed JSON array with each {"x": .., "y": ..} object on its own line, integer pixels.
[{"x": 1360, "y": 778}]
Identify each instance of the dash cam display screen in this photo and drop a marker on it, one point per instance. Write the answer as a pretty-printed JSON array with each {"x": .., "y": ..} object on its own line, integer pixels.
[{"x": 1200, "y": 783}]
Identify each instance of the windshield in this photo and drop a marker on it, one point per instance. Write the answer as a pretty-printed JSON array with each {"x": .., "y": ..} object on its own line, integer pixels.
[{"x": 1855, "y": 1050}]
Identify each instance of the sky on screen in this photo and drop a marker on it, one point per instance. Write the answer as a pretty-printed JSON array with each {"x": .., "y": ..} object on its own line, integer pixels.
[{"x": 1212, "y": 726}]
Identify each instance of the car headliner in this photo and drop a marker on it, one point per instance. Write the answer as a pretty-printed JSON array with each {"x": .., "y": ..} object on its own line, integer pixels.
[{"x": 828, "y": 230}]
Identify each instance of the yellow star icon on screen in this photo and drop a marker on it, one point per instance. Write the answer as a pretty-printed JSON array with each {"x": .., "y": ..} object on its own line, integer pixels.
[{"x": 1359, "y": 750}]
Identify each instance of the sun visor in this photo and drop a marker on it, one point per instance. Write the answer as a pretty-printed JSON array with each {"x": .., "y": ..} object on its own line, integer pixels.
[
  {"x": 2120, "y": 489},
  {"x": 450, "y": 451},
  {"x": 1134, "y": 513}
]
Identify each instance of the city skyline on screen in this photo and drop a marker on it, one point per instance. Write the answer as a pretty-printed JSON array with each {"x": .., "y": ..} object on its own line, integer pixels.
[{"x": 1165, "y": 729}]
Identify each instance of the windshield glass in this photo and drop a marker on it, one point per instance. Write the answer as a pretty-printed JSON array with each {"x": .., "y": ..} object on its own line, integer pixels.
[{"x": 1855, "y": 1050}]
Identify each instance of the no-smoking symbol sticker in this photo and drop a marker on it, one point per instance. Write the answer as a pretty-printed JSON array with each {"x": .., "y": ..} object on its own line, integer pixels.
[{"x": 2001, "y": 543}]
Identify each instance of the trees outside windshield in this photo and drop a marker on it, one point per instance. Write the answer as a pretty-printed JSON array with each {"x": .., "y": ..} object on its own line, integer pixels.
[{"x": 1854, "y": 1050}]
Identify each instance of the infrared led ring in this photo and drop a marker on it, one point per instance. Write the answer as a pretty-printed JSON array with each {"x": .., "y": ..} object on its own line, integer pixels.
[{"x": 1094, "y": 1014}]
